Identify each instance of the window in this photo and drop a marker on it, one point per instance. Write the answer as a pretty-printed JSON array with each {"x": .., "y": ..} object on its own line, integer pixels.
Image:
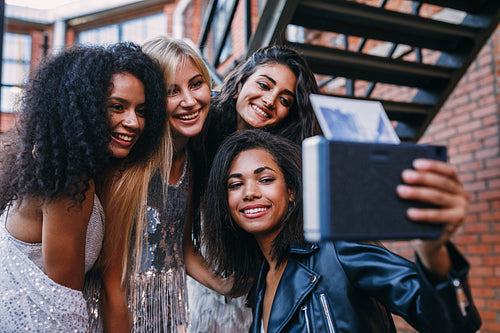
[
  {"x": 137, "y": 30},
  {"x": 16, "y": 67}
]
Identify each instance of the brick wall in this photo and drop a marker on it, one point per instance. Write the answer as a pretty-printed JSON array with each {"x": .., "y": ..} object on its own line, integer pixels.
[{"x": 469, "y": 124}]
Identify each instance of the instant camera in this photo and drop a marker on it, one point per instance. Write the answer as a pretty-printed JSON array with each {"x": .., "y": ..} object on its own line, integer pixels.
[{"x": 351, "y": 172}]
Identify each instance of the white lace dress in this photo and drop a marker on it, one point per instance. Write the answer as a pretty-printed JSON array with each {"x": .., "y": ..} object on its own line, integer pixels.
[{"x": 30, "y": 300}]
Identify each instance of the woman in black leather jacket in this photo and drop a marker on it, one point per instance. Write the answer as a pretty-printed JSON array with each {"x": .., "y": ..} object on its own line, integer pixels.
[{"x": 253, "y": 231}]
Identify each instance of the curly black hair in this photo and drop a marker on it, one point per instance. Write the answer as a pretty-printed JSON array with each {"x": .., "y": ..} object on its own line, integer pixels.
[{"x": 63, "y": 128}]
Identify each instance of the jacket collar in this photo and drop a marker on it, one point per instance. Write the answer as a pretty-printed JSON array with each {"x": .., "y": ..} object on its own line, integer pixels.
[
  {"x": 295, "y": 249},
  {"x": 305, "y": 249},
  {"x": 296, "y": 283}
]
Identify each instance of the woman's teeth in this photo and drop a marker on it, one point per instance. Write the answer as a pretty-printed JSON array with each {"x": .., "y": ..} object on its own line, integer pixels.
[
  {"x": 255, "y": 210},
  {"x": 188, "y": 116},
  {"x": 123, "y": 137},
  {"x": 259, "y": 111}
]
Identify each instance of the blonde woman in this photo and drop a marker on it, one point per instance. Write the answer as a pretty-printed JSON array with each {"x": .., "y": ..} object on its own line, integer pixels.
[{"x": 156, "y": 292}]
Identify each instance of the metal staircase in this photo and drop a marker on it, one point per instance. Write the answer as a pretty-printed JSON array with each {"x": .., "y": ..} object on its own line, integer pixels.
[{"x": 410, "y": 59}]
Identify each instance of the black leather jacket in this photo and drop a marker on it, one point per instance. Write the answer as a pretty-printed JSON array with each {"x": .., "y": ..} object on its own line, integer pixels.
[{"x": 347, "y": 287}]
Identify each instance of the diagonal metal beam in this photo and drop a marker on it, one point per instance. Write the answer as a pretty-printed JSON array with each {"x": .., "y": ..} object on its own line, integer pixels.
[
  {"x": 272, "y": 25},
  {"x": 355, "y": 19},
  {"x": 335, "y": 62}
]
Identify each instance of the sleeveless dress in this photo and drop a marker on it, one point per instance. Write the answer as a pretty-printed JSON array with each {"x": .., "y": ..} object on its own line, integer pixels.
[
  {"x": 31, "y": 301},
  {"x": 157, "y": 294}
]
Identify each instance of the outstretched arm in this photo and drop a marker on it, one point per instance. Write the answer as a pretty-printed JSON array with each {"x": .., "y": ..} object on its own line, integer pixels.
[
  {"x": 436, "y": 183},
  {"x": 198, "y": 269},
  {"x": 196, "y": 266}
]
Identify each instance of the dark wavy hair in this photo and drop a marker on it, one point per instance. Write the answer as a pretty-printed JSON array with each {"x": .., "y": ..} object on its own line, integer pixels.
[
  {"x": 300, "y": 123},
  {"x": 63, "y": 129},
  {"x": 229, "y": 249}
]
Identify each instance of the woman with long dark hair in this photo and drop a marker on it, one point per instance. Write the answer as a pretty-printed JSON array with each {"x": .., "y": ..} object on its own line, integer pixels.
[{"x": 253, "y": 231}]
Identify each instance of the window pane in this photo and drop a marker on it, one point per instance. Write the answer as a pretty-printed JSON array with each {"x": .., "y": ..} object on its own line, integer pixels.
[
  {"x": 10, "y": 97},
  {"x": 14, "y": 73},
  {"x": 15, "y": 67},
  {"x": 17, "y": 46},
  {"x": 137, "y": 30},
  {"x": 104, "y": 35}
]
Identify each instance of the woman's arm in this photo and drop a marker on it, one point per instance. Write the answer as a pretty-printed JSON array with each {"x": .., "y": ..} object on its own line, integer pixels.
[
  {"x": 196, "y": 265},
  {"x": 436, "y": 183},
  {"x": 116, "y": 317},
  {"x": 64, "y": 232}
]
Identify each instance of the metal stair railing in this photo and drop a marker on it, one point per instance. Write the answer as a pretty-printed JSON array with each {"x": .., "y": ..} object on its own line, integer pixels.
[{"x": 436, "y": 52}]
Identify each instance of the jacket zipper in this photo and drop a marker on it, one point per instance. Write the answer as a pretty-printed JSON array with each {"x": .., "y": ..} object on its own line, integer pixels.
[
  {"x": 304, "y": 309},
  {"x": 329, "y": 320}
]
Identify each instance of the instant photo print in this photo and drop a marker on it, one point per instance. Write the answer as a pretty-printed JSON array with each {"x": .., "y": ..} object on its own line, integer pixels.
[{"x": 350, "y": 186}]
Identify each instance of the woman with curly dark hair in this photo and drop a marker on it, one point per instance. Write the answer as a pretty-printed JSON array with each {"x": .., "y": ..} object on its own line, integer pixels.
[{"x": 90, "y": 117}]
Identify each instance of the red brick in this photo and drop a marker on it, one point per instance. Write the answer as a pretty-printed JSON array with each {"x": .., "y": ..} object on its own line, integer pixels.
[
  {"x": 492, "y": 260},
  {"x": 494, "y": 184},
  {"x": 492, "y": 282},
  {"x": 472, "y": 166},
  {"x": 487, "y": 153},
  {"x": 490, "y": 142},
  {"x": 481, "y": 92},
  {"x": 487, "y": 100},
  {"x": 476, "y": 228},
  {"x": 461, "y": 158},
  {"x": 490, "y": 238},
  {"x": 445, "y": 134},
  {"x": 455, "y": 101},
  {"x": 466, "y": 239},
  {"x": 475, "y": 187},
  {"x": 488, "y": 173},
  {"x": 470, "y": 126},
  {"x": 466, "y": 108},
  {"x": 482, "y": 272},
  {"x": 479, "y": 249},
  {"x": 494, "y": 304},
  {"x": 462, "y": 138},
  {"x": 478, "y": 207},
  {"x": 486, "y": 315},
  {"x": 480, "y": 112},
  {"x": 472, "y": 146}
]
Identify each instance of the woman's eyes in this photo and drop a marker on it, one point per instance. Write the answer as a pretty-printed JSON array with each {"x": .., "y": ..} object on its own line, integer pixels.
[
  {"x": 267, "y": 180},
  {"x": 234, "y": 185},
  {"x": 117, "y": 107},
  {"x": 197, "y": 84},
  {"x": 141, "y": 111},
  {"x": 263, "y": 85},
  {"x": 172, "y": 92},
  {"x": 263, "y": 180},
  {"x": 286, "y": 102}
]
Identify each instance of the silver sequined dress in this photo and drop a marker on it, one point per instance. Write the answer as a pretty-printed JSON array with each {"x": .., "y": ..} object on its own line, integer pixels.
[
  {"x": 157, "y": 294},
  {"x": 30, "y": 300}
]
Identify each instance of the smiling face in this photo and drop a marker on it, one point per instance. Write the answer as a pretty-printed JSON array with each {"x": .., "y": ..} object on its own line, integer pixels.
[
  {"x": 125, "y": 108},
  {"x": 258, "y": 195},
  {"x": 188, "y": 101},
  {"x": 266, "y": 96}
]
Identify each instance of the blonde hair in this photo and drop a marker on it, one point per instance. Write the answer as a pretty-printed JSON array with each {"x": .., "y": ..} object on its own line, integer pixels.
[
  {"x": 172, "y": 53},
  {"x": 125, "y": 195}
]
